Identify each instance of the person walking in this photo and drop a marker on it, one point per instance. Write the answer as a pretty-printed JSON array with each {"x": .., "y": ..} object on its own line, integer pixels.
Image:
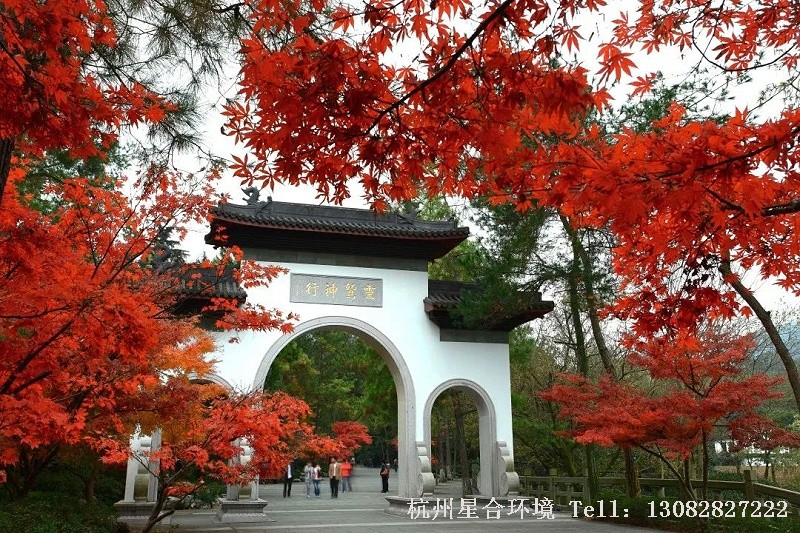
[
  {"x": 334, "y": 474},
  {"x": 317, "y": 477},
  {"x": 385, "y": 476},
  {"x": 287, "y": 481},
  {"x": 308, "y": 475},
  {"x": 347, "y": 468}
]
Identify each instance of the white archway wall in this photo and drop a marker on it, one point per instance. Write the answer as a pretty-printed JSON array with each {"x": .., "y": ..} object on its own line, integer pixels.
[
  {"x": 409, "y": 340},
  {"x": 211, "y": 378}
]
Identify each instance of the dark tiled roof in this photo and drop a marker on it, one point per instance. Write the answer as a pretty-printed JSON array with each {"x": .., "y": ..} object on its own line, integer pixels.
[
  {"x": 337, "y": 220},
  {"x": 210, "y": 282},
  {"x": 330, "y": 229},
  {"x": 193, "y": 287},
  {"x": 444, "y": 297}
]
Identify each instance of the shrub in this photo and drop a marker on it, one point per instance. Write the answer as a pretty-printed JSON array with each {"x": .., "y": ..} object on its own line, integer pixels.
[{"x": 47, "y": 512}]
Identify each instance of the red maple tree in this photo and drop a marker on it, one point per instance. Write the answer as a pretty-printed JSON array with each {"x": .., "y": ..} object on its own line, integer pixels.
[
  {"x": 207, "y": 436},
  {"x": 51, "y": 93},
  {"x": 347, "y": 438},
  {"x": 85, "y": 321},
  {"x": 699, "y": 390},
  {"x": 351, "y": 435}
]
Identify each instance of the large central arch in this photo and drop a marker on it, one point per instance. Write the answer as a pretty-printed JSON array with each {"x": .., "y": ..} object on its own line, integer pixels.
[{"x": 404, "y": 384}]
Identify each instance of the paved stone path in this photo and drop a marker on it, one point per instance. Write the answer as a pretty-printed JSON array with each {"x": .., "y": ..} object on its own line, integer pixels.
[{"x": 363, "y": 511}]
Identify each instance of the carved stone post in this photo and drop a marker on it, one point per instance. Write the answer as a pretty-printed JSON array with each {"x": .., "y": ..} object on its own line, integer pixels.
[
  {"x": 425, "y": 479},
  {"x": 508, "y": 478}
]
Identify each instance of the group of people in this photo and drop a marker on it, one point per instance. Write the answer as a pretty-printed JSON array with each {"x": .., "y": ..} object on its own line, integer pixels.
[{"x": 339, "y": 472}]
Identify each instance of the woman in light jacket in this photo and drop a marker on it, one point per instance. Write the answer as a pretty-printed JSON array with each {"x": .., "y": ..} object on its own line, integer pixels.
[{"x": 308, "y": 474}]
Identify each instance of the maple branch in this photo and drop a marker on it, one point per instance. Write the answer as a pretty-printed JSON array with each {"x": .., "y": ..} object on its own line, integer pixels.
[
  {"x": 497, "y": 13},
  {"x": 122, "y": 225},
  {"x": 738, "y": 69},
  {"x": 25, "y": 361},
  {"x": 781, "y": 209},
  {"x": 22, "y": 386},
  {"x": 787, "y": 208},
  {"x": 746, "y": 155},
  {"x": 232, "y": 7},
  {"x": 660, "y": 456},
  {"x": 6, "y": 150},
  {"x": 38, "y": 314},
  {"x": 766, "y": 321}
]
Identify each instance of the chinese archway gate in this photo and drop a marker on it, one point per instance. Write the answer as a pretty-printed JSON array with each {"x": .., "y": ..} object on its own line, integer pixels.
[{"x": 367, "y": 274}]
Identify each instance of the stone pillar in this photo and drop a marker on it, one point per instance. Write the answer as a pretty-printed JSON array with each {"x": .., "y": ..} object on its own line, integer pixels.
[
  {"x": 254, "y": 490},
  {"x": 154, "y": 466},
  {"x": 424, "y": 478},
  {"x": 130, "y": 510},
  {"x": 133, "y": 469},
  {"x": 232, "y": 493},
  {"x": 231, "y": 509}
]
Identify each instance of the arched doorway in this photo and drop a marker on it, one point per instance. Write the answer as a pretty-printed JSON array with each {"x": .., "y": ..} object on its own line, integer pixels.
[
  {"x": 491, "y": 471},
  {"x": 343, "y": 380},
  {"x": 366, "y": 273},
  {"x": 404, "y": 386}
]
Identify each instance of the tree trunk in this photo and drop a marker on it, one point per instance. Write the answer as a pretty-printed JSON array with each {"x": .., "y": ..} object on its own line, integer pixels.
[
  {"x": 769, "y": 326},
  {"x": 22, "y": 477},
  {"x": 448, "y": 453},
  {"x": 704, "y": 444},
  {"x": 592, "y": 480},
  {"x": 687, "y": 481},
  {"x": 773, "y": 473},
  {"x": 632, "y": 485},
  {"x": 461, "y": 446},
  {"x": 592, "y": 301},
  {"x": 88, "y": 487},
  {"x": 156, "y": 515},
  {"x": 6, "y": 149},
  {"x": 568, "y": 453}
]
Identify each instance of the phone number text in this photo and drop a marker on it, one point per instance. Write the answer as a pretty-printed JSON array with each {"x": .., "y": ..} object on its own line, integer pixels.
[{"x": 718, "y": 509}]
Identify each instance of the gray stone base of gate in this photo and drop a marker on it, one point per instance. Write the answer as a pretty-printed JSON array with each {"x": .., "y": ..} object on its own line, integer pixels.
[
  {"x": 399, "y": 506},
  {"x": 136, "y": 512},
  {"x": 242, "y": 511}
]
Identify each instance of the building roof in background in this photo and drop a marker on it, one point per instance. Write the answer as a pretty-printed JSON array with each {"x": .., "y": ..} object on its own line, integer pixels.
[{"x": 444, "y": 297}]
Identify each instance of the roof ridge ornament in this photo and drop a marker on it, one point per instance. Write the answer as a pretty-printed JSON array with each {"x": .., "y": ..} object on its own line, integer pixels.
[{"x": 253, "y": 197}]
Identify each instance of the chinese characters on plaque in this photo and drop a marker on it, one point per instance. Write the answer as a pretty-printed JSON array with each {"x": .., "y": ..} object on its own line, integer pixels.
[{"x": 336, "y": 290}]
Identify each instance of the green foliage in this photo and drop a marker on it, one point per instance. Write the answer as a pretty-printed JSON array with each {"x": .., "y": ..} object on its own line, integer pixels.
[
  {"x": 695, "y": 94},
  {"x": 341, "y": 378},
  {"x": 78, "y": 467},
  {"x": 208, "y": 493},
  {"x": 57, "y": 166},
  {"x": 49, "y": 512}
]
